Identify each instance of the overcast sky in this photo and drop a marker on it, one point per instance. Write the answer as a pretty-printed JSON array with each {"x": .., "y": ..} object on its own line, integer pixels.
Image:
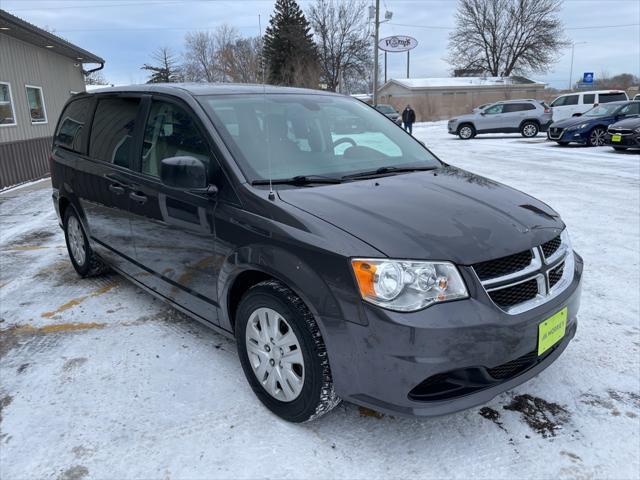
[{"x": 125, "y": 32}]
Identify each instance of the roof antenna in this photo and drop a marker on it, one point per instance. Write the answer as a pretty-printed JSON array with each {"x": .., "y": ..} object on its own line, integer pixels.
[{"x": 272, "y": 195}]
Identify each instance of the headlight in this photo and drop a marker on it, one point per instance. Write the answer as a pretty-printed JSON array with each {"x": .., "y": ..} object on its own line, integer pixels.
[
  {"x": 406, "y": 285},
  {"x": 578, "y": 127},
  {"x": 637, "y": 130},
  {"x": 453, "y": 120}
]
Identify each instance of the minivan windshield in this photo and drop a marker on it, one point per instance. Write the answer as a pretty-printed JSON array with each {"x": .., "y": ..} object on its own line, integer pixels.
[
  {"x": 305, "y": 135},
  {"x": 602, "y": 110}
]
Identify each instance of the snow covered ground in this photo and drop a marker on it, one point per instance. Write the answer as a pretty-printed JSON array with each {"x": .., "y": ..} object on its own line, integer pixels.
[{"x": 100, "y": 380}]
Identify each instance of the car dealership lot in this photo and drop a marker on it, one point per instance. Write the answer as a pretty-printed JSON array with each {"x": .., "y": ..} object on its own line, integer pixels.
[{"x": 98, "y": 379}]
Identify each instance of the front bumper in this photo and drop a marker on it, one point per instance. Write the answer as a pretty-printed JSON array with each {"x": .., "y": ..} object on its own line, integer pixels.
[
  {"x": 568, "y": 136},
  {"x": 629, "y": 140},
  {"x": 379, "y": 364}
]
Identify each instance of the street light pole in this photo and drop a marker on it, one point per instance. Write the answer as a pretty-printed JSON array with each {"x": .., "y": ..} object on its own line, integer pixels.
[
  {"x": 573, "y": 45},
  {"x": 375, "y": 54}
]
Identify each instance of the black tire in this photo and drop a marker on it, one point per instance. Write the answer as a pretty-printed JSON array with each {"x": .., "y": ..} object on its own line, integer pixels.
[
  {"x": 317, "y": 396},
  {"x": 597, "y": 137},
  {"x": 92, "y": 264},
  {"x": 466, "y": 131},
  {"x": 620, "y": 149},
  {"x": 529, "y": 129}
]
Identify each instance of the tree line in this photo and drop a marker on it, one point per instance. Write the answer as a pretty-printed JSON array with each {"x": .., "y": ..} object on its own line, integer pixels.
[{"x": 329, "y": 46}]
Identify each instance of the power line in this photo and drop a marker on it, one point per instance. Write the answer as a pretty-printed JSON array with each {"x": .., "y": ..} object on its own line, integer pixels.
[{"x": 592, "y": 27}]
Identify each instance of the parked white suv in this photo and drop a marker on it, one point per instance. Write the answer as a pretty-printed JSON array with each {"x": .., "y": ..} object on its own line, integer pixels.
[{"x": 569, "y": 104}]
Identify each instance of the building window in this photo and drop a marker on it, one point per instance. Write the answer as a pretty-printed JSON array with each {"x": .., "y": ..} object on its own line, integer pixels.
[
  {"x": 35, "y": 99},
  {"x": 7, "y": 112}
]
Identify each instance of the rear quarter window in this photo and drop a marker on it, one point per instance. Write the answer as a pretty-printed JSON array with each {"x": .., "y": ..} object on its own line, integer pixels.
[
  {"x": 612, "y": 97},
  {"x": 73, "y": 128},
  {"x": 112, "y": 130}
]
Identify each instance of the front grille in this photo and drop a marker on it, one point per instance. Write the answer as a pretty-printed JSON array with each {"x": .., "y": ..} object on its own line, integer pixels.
[
  {"x": 555, "y": 132},
  {"x": 503, "y": 266},
  {"x": 514, "y": 367},
  {"x": 620, "y": 131},
  {"x": 551, "y": 246},
  {"x": 515, "y": 294},
  {"x": 555, "y": 275}
]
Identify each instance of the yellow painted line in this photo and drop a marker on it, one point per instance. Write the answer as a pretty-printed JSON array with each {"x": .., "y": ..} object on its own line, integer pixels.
[
  {"x": 62, "y": 327},
  {"x": 77, "y": 301}
]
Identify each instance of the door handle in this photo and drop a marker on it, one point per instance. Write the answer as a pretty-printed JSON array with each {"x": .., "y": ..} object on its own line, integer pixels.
[
  {"x": 138, "y": 197},
  {"x": 116, "y": 188}
]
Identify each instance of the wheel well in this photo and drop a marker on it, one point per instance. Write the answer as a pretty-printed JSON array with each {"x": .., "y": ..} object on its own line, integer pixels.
[
  {"x": 63, "y": 203},
  {"x": 532, "y": 120},
  {"x": 241, "y": 284}
]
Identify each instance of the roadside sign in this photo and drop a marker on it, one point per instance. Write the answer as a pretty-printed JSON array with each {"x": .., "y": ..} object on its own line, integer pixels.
[
  {"x": 397, "y": 43},
  {"x": 587, "y": 77}
]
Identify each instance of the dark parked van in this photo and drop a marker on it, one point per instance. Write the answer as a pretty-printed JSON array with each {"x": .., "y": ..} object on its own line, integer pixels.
[{"x": 349, "y": 263}]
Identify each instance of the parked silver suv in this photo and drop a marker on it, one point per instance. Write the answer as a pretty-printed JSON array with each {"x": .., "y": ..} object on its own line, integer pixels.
[{"x": 509, "y": 116}]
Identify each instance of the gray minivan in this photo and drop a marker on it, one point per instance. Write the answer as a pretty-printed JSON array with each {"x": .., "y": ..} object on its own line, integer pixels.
[
  {"x": 529, "y": 117},
  {"x": 345, "y": 258}
]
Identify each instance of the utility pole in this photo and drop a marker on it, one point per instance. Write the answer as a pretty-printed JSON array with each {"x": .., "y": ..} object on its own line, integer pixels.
[{"x": 375, "y": 54}]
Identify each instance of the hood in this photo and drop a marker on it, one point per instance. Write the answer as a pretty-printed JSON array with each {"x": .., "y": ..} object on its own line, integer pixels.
[
  {"x": 631, "y": 123},
  {"x": 446, "y": 214},
  {"x": 571, "y": 121},
  {"x": 468, "y": 116}
]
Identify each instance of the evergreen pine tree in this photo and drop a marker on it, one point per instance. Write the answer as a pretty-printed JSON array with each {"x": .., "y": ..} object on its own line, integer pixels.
[
  {"x": 290, "y": 53},
  {"x": 166, "y": 71}
]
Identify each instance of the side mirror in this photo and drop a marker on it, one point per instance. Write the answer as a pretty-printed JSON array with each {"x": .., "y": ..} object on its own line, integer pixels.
[
  {"x": 483, "y": 113},
  {"x": 183, "y": 172}
]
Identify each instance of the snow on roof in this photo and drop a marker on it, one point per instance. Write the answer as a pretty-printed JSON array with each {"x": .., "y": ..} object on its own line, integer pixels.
[{"x": 417, "y": 83}]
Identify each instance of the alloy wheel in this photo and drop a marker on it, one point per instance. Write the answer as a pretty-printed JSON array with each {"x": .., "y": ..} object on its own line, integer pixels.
[
  {"x": 530, "y": 130},
  {"x": 275, "y": 354},
  {"x": 76, "y": 240},
  {"x": 597, "y": 137},
  {"x": 465, "y": 132}
]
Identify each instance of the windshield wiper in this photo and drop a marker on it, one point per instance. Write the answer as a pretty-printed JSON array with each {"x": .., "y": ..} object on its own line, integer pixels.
[
  {"x": 385, "y": 170},
  {"x": 298, "y": 180}
]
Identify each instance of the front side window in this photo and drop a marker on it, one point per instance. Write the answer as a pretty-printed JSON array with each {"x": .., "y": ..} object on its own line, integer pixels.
[
  {"x": 72, "y": 130},
  {"x": 612, "y": 97},
  {"x": 7, "y": 115},
  {"x": 35, "y": 100},
  {"x": 171, "y": 132},
  {"x": 565, "y": 100},
  {"x": 630, "y": 109},
  {"x": 495, "y": 109},
  {"x": 291, "y": 135},
  {"x": 112, "y": 130}
]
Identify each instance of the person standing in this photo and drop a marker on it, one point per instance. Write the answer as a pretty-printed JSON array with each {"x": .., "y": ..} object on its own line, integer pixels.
[{"x": 408, "y": 119}]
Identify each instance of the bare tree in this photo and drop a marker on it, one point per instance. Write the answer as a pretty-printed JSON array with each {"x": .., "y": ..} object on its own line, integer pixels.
[
  {"x": 503, "y": 37},
  {"x": 242, "y": 60},
  {"x": 200, "y": 62},
  {"x": 95, "y": 78},
  {"x": 166, "y": 69},
  {"x": 342, "y": 35}
]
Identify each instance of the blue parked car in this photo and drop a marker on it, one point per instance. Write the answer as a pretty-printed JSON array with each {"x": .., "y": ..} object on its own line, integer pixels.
[{"x": 590, "y": 128}]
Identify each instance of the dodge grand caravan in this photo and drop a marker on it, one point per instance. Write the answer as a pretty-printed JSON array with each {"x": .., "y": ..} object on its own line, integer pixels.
[{"x": 348, "y": 264}]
